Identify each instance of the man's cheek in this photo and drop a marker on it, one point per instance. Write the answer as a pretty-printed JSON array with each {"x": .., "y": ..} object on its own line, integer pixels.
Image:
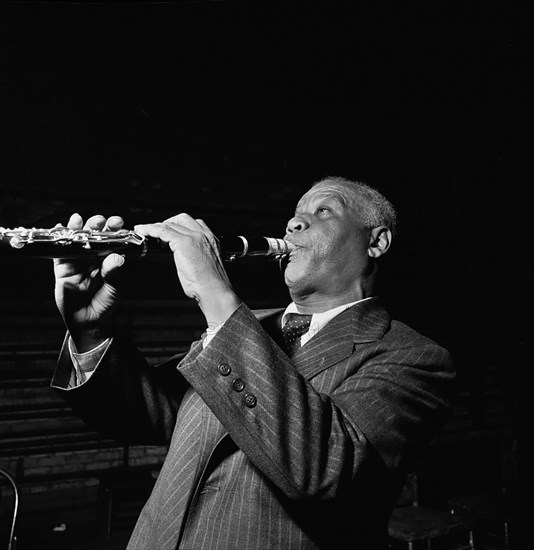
[{"x": 326, "y": 253}]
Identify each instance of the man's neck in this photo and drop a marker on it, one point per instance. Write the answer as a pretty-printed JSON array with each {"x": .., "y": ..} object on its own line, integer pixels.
[
  {"x": 319, "y": 301},
  {"x": 319, "y": 304}
]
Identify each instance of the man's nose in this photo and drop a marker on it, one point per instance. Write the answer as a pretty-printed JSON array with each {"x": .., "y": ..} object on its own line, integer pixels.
[{"x": 296, "y": 224}]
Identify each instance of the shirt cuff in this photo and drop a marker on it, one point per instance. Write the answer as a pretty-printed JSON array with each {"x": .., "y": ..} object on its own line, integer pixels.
[
  {"x": 85, "y": 363},
  {"x": 210, "y": 333}
]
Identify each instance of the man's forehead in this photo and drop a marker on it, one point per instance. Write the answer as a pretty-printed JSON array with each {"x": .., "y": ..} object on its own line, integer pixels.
[{"x": 336, "y": 191}]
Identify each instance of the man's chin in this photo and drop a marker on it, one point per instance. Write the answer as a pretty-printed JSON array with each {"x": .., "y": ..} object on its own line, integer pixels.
[
  {"x": 292, "y": 273},
  {"x": 283, "y": 263}
]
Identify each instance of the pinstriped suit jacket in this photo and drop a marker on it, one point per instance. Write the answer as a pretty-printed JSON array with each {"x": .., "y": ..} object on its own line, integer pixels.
[{"x": 309, "y": 454}]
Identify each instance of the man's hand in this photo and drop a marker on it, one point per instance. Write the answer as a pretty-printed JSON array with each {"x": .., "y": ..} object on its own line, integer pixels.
[
  {"x": 87, "y": 288},
  {"x": 199, "y": 264}
]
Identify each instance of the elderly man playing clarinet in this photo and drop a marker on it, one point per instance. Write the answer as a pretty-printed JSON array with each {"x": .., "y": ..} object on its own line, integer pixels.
[{"x": 292, "y": 429}]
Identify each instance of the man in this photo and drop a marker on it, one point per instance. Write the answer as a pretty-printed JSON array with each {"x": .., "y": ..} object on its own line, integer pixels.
[{"x": 266, "y": 451}]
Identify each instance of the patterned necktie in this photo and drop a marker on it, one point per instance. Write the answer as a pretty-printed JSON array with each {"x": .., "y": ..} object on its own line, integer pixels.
[{"x": 296, "y": 325}]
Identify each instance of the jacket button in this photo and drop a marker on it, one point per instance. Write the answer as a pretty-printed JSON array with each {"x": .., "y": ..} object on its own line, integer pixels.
[
  {"x": 224, "y": 369},
  {"x": 250, "y": 400},
  {"x": 238, "y": 384}
]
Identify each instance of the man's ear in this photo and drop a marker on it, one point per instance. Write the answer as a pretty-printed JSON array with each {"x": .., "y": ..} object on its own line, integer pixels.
[{"x": 379, "y": 241}]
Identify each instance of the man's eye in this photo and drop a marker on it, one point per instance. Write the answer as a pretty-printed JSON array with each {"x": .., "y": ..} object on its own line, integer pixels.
[{"x": 322, "y": 209}]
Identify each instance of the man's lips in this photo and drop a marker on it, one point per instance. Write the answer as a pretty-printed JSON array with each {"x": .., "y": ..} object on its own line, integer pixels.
[{"x": 294, "y": 248}]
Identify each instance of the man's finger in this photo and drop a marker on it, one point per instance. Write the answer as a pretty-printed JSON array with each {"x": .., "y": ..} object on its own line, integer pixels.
[
  {"x": 114, "y": 223},
  {"x": 95, "y": 222},
  {"x": 75, "y": 222},
  {"x": 184, "y": 220},
  {"x": 162, "y": 230},
  {"x": 110, "y": 264},
  {"x": 150, "y": 230},
  {"x": 202, "y": 224}
]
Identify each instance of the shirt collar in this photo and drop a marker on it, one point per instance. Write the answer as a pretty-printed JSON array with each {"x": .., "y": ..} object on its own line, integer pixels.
[{"x": 319, "y": 320}]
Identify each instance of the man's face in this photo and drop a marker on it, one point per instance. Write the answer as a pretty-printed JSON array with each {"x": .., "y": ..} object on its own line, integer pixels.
[{"x": 332, "y": 243}]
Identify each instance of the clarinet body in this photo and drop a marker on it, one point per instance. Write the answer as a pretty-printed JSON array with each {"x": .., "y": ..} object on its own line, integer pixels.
[{"x": 65, "y": 243}]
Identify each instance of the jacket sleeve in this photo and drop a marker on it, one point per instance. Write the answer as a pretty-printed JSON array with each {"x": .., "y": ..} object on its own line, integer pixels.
[
  {"x": 311, "y": 445},
  {"x": 125, "y": 397}
]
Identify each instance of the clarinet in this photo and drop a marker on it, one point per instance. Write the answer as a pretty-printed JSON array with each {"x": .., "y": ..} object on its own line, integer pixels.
[{"x": 64, "y": 243}]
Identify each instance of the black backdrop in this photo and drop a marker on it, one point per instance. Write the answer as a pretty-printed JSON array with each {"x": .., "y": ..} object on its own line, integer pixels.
[{"x": 229, "y": 111}]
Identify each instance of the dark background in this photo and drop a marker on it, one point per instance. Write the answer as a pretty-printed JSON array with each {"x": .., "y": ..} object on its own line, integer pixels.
[{"x": 229, "y": 110}]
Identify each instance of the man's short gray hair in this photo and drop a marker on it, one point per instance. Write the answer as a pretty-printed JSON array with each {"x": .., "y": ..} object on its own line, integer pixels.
[{"x": 375, "y": 209}]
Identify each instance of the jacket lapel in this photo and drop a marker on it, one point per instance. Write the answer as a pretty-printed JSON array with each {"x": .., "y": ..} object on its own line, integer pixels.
[{"x": 362, "y": 323}]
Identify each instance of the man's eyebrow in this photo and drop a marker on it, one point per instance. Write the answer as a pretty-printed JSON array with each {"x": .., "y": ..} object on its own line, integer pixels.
[
  {"x": 324, "y": 195},
  {"x": 338, "y": 197}
]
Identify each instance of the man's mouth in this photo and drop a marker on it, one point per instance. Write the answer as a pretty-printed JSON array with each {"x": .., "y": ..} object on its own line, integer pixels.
[{"x": 294, "y": 249}]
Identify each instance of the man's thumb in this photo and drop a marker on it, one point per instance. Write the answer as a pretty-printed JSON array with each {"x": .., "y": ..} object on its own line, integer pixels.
[{"x": 111, "y": 263}]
